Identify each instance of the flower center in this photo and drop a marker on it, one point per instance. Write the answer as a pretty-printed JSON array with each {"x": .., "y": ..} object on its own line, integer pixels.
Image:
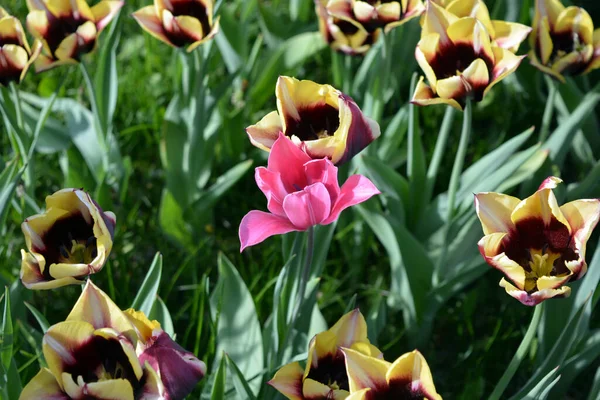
[
  {"x": 316, "y": 122},
  {"x": 541, "y": 264},
  {"x": 78, "y": 252},
  {"x": 331, "y": 371}
]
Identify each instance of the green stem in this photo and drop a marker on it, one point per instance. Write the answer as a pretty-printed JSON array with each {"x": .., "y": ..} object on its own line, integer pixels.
[
  {"x": 457, "y": 168},
  {"x": 348, "y": 79},
  {"x": 18, "y": 109},
  {"x": 412, "y": 131},
  {"x": 98, "y": 125},
  {"x": 440, "y": 149},
  {"x": 519, "y": 355},
  {"x": 549, "y": 110},
  {"x": 338, "y": 69}
]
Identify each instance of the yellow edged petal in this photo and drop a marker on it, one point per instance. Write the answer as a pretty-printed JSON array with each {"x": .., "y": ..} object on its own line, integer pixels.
[
  {"x": 288, "y": 381},
  {"x": 541, "y": 205},
  {"x": 151, "y": 23},
  {"x": 364, "y": 371},
  {"x": 505, "y": 63},
  {"x": 510, "y": 35},
  {"x": 351, "y": 328},
  {"x": 575, "y": 20},
  {"x": 582, "y": 216},
  {"x": 104, "y": 12},
  {"x": 494, "y": 211},
  {"x": 264, "y": 133},
  {"x": 114, "y": 389},
  {"x": 43, "y": 386},
  {"x": 411, "y": 370},
  {"x": 424, "y": 96},
  {"x": 491, "y": 248}
]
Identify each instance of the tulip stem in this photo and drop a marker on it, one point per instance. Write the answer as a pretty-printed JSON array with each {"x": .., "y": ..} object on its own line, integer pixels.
[
  {"x": 99, "y": 127},
  {"x": 18, "y": 109},
  {"x": 305, "y": 275},
  {"x": 549, "y": 110},
  {"x": 457, "y": 168},
  {"x": 519, "y": 355},
  {"x": 440, "y": 149}
]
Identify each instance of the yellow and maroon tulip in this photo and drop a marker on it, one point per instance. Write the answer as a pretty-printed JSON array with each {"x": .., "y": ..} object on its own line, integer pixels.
[
  {"x": 343, "y": 33},
  {"x": 67, "y": 29},
  {"x": 538, "y": 245},
  {"x": 179, "y": 23},
  {"x": 99, "y": 353},
  {"x": 319, "y": 119},
  {"x": 563, "y": 41},
  {"x": 325, "y": 376},
  {"x": 376, "y": 14},
  {"x": 508, "y": 35},
  {"x": 15, "y": 55},
  {"x": 69, "y": 241},
  {"x": 371, "y": 378},
  {"x": 458, "y": 59}
]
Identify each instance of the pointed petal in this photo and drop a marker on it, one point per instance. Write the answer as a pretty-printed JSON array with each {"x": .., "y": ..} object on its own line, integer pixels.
[
  {"x": 153, "y": 387},
  {"x": 351, "y": 328},
  {"x": 61, "y": 8},
  {"x": 312, "y": 389},
  {"x": 424, "y": 96},
  {"x": 364, "y": 371},
  {"x": 505, "y": 64},
  {"x": 264, "y": 133},
  {"x": 270, "y": 184},
  {"x": 142, "y": 324},
  {"x": 494, "y": 211},
  {"x": 211, "y": 34},
  {"x": 151, "y": 23},
  {"x": 37, "y": 23},
  {"x": 575, "y": 20},
  {"x": 492, "y": 249},
  {"x": 472, "y": 32},
  {"x": 552, "y": 282},
  {"x": 256, "y": 226},
  {"x": 543, "y": 43},
  {"x": 410, "y": 371},
  {"x": 427, "y": 50},
  {"x": 536, "y": 297},
  {"x": 308, "y": 207},
  {"x": 325, "y": 172},
  {"x": 33, "y": 277},
  {"x": 96, "y": 308},
  {"x": 437, "y": 20},
  {"x": 548, "y": 8},
  {"x": 105, "y": 11},
  {"x": 288, "y": 160},
  {"x": 360, "y": 395},
  {"x": 43, "y": 386},
  {"x": 472, "y": 8},
  {"x": 541, "y": 205},
  {"x": 288, "y": 381},
  {"x": 582, "y": 216},
  {"x": 355, "y": 190},
  {"x": 510, "y": 35},
  {"x": 595, "y": 63},
  {"x": 114, "y": 389}
]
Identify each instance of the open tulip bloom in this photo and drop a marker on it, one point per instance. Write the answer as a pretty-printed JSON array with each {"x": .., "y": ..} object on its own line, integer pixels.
[
  {"x": 458, "y": 59},
  {"x": 325, "y": 375},
  {"x": 538, "y": 245},
  {"x": 301, "y": 193},
  {"x": 179, "y": 23},
  {"x": 320, "y": 120},
  {"x": 67, "y": 29},
  {"x": 371, "y": 378},
  {"x": 508, "y": 35},
  {"x": 69, "y": 241},
  {"x": 563, "y": 41},
  {"x": 102, "y": 352},
  {"x": 15, "y": 55}
]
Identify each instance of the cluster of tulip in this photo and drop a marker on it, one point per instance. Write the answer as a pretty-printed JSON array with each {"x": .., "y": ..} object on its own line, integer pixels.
[{"x": 100, "y": 351}]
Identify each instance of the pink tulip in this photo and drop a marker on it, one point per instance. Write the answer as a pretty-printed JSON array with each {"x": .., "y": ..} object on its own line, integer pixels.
[{"x": 301, "y": 193}]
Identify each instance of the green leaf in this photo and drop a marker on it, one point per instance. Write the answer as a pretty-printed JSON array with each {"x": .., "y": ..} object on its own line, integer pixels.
[
  {"x": 240, "y": 383},
  {"x": 543, "y": 388},
  {"x": 6, "y": 335},
  {"x": 106, "y": 80},
  {"x": 39, "y": 317},
  {"x": 161, "y": 313},
  {"x": 8, "y": 182},
  {"x": 238, "y": 331},
  {"x": 218, "y": 389},
  {"x": 146, "y": 295},
  {"x": 595, "y": 390}
]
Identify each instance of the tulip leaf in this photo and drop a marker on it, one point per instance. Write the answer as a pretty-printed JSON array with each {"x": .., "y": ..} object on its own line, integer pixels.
[
  {"x": 544, "y": 386},
  {"x": 8, "y": 182},
  {"x": 231, "y": 40},
  {"x": 595, "y": 390},
  {"x": 560, "y": 140},
  {"x": 218, "y": 387},
  {"x": 39, "y": 317},
  {"x": 240, "y": 383},
  {"x": 146, "y": 295},
  {"x": 106, "y": 78},
  {"x": 588, "y": 187},
  {"x": 391, "y": 140},
  {"x": 238, "y": 330},
  {"x": 161, "y": 313},
  {"x": 6, "y": 336}
]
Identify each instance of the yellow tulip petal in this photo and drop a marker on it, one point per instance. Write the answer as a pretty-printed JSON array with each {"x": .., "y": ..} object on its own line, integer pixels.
[
  {"x": 67, "y": 50},
  {"x": 472, "y": 32},
  {"x": 428, "y": 49},
  {"x": 323, "y": 345},
  {"x": 360, "y": 395},
  {"x": 211, "y": 34},
  {"x": 472, "y": 8},
  {"x": 43, "y": 386},
  {"x": 547, "y": 70},
  {"x": 288, "y": 381},
  {"x": 96, "y": 308},
  {"x": 542, "y": 205},
  {"x": 15, "y": 56},
  {"x": 127, "y": 346},
  {"x": 264, "y": 133},
  {"x": 411, "y": 371},
  {"x": 505, "y": 64},
  {"x": 60, "y": 8},
  {"x": 451, "y": 88},
  {"x": 494, "y": 211},
  {"x": 11, "y": 31},
  {"x": 151, "y": 23},
  {"x": 510, "y": 35},
  {"x": 312, "y": 389},
  {"x": 595, "y": 62},
  {"x": 105, "y": 11},
  {"x": 114, "y": 389},
  {"x": 351, "y": 328},
  {"x": 583, "y": 216},
  {"x": 142, "y": 324},
  {"x": 548, "y": 8},
  {"x": 437, "y": 20},
  {"x": 575, "y": 20},
  {"x": 574, "y": 62},
  {"x": 37, "y": 23},
  {"x": 552, "y": 282},
  {"x": 491, "y": 248},
  {"x": 367, "y": 349},
  {"x": 424, "y": 96},
  {"x": 535, "y": 297},
  {"x": 364, "y": 371},
  {"x": 189, "y": 27}
]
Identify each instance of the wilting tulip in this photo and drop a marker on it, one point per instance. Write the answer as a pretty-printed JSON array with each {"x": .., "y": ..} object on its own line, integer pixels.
[
  {"x": 98, "y": 353},
  {"x": 370, "y": 378},
  {"x": 343, "y": 34},
  {"x": 325, "y": 376},
  {"x": 458, "y": 59},
  {"x": 68, "y": 29},
  {"x": 319, "y": 119},
  {"x": 376, "y": 14},
  {"x": 563, "y": 41},
  {"x": 179, "y": 23},
  {"x": 538, "y": 245},
  {"x": 300, "y": 192},
  {"x": 508, "y": 35},
  {"x": 69, "y": 241},
  {"x": 15, "y": 54}
]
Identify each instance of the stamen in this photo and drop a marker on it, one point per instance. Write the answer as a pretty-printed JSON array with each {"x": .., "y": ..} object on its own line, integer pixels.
[{"x": 63, "y": 251}]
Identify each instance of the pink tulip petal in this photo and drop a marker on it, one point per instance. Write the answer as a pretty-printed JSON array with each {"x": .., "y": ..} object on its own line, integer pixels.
[
  {"x": 270, "y": 184},
  {"x": 288, "y": 160},
  {"x": 308, "y": 207},
  {"x": 356, "y": 190},
  {"x": 325, "y": 172},
  {"x": 256, "y": 226}
]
